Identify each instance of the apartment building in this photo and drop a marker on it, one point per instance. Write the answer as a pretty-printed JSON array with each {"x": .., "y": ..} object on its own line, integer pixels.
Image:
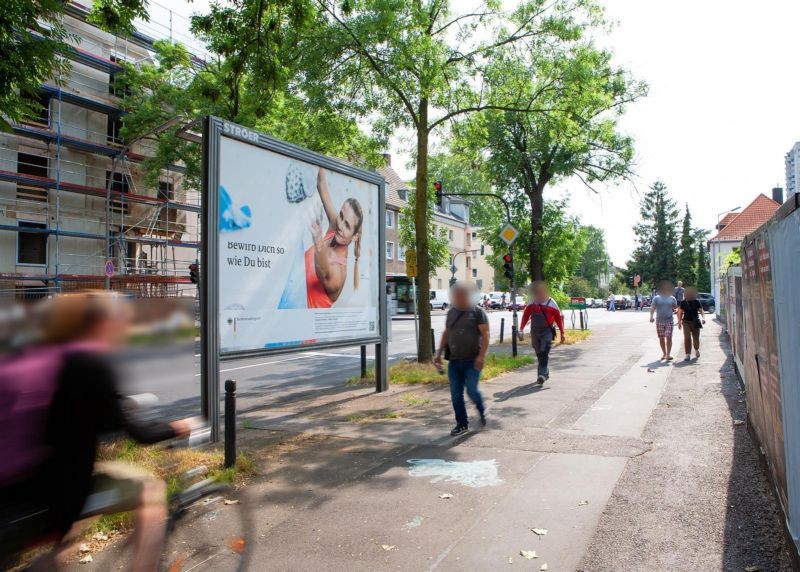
[
  {"x": 75, "y": 211},
  {"x": 396, "y": 201}
]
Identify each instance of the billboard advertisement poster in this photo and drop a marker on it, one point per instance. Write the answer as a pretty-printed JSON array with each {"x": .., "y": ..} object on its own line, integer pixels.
[{"x": 299, "y": 247}]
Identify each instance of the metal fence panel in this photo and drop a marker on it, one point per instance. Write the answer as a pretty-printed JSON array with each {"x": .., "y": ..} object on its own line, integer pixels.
[{"x": 784, "y": 240}]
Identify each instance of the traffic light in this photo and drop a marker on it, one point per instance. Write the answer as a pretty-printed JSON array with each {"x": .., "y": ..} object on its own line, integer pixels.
[
  {"x": 508, "y": 266},
  {"x": 438, "y": 186},
  {"x": 193, "y": 274}
]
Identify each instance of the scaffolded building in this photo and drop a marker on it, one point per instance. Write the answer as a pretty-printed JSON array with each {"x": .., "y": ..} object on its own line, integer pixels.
[{"x": 74, "y": 209}]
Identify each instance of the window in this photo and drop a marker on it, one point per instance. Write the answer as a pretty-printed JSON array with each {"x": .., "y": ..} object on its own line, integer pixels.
[
  {"x": 389, "y": 250},
  {"x": 439, "y": 283},
  {"x": 479, "y": 284},
  {"x": 474, "y": 254},
  {"x": 389, "y": 219},
  {"x": 117, "y": 86},
  {"x": 40, "y": 108},
  {"x": 401, "y": 252},
  {"x": 403, "y": 194},
  {"x": 120, "y": 184},
  {"x": 450, "y": 234},
  {"x": 113, "y": 130},
  {"x": 32, "y": 246},
  {"x": 166, "y": 190},
  {"x": 474, "y": 235},
  {"x": 468, "y": 263},
  {"x": 37, "y": 166},
  {"x": 474, "y": 273}
]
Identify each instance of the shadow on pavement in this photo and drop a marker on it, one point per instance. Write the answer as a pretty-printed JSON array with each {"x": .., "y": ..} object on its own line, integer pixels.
[
  {"x": 753, "y": 525},
  {"x": 520, "y": 391}
]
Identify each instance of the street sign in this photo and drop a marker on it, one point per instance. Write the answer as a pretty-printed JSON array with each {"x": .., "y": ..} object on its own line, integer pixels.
[
  {"x": 577, "y": 303},
  {"x": 109, "y": 268},
  {"x": 509, "y": 234},
  {"x": 411, "y": 263}
]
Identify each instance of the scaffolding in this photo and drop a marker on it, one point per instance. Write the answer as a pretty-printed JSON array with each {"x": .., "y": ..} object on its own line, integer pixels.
[{"x": 72, "y": 192}]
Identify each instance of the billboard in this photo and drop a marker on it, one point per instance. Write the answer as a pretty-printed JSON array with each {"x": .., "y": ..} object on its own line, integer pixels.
[{"x": 298, "y": 246}]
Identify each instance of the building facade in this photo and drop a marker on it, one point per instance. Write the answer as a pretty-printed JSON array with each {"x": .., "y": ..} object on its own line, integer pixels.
[
  {"x": 75, "y": 210},
  {"x": 792, "y": 161}
]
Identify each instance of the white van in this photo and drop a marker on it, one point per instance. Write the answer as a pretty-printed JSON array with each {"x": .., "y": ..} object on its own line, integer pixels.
[{"x": 440, "y": 299}]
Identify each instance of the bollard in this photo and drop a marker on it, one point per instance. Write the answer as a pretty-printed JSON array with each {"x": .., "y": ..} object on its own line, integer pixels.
[
  {"x": 230, "y": 423},
  {"x": 433, "y": 342},
  {"x": 502, "y": 328},
  {"x": 363, "y": 362},
  {"x": 583, "y": 327}
]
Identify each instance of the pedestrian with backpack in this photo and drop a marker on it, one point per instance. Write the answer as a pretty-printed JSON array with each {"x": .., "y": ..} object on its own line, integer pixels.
[
  {"x": 544, "y": 315},
  {"x": 464, "y": 344}
]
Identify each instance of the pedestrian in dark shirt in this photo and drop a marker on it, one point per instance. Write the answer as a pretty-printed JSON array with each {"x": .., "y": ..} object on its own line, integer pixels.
[
  {"x": 691, "y": 319},
  {"x": 464, "y": 342}
]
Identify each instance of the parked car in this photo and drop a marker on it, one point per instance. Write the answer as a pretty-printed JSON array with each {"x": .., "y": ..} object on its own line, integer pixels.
[
  {"x": 707, "y": 301},
  {"x": 597, "y": 303},
  {"x": 496, "y": 300},
  {"x": 646, "y": 301},
  {"x": 520, "y": 304},
  {"x": 620, "y": 302},
  {"x": 440, "y": 299}
]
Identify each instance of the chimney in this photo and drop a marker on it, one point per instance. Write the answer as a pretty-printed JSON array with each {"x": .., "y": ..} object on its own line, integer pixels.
[
  {"x": 777, "y": 195},
  {"x": 388, "y": 158}
]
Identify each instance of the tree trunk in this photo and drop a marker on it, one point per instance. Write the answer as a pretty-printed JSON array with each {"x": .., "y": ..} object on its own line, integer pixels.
[
  {"x": 537, "y": 211},
  {"x": 424, "y": 353}
]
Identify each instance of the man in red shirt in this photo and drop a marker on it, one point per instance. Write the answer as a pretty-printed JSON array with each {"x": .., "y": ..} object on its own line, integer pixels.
[{"x": 544, "y": 315}]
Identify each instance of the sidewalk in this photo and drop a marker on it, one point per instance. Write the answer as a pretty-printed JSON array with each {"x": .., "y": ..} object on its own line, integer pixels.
[{"x": 627, "y": 464}]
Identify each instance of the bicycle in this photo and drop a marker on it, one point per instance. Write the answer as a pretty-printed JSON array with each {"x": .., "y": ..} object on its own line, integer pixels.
[{"x": 196, "y": 538}]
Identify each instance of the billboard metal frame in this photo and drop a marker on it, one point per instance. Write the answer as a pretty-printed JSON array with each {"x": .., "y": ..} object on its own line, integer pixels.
[{"x": 214, "y": 129}]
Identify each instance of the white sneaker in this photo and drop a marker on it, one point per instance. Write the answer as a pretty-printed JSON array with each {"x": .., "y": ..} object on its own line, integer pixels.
[{"x": 688, "y": 357}]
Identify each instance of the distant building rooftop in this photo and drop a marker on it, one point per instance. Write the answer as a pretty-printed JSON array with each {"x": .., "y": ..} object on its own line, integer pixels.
[{"x": 737, "y": 226}]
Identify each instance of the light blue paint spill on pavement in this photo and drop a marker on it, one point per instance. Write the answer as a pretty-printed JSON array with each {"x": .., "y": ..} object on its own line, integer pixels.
[{"x": 468, "y": 473}]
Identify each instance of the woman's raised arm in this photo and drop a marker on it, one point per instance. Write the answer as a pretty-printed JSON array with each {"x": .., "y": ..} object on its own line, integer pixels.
[{"x": 325, "y": 197}]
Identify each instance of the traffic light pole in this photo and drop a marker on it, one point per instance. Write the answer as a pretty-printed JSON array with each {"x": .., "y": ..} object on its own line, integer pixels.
[{"x": 512, "y": 287}]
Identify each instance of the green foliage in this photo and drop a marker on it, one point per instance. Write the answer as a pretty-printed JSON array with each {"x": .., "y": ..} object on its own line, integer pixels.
[
  {"x": 734, "y": 258},
  {"x": 561, "y": 238},
  {"x": 117, "y": 16},
  {"x": 438, "y": 251},
  {"x": 703, "y": 270},
  {"x": 655, "y": 258},
  {"x": 31, "y": 36},
  {"x": 686, "y": 267},
  {"x": 560, "y": 298},
  {"x": 595, "y": 261},
  {"x": 579, "y": 286}
]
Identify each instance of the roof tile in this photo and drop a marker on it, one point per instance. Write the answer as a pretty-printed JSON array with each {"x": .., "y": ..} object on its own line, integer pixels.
[{"x": 752, "y": 216}]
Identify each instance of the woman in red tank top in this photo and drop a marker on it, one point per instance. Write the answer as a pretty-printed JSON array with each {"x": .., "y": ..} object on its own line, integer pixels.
[{"x": 326, "y": 259}]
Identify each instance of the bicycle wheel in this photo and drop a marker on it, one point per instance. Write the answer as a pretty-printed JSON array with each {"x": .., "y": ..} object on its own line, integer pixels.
[{"x": 208, "y": 530}]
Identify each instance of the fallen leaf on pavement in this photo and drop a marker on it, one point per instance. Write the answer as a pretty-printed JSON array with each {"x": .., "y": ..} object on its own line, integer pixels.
[
  {"x": 752, "y": 569},
  {"x": 84, "y": 548},
  {"x": 230, "y": 501},
  {"x": 544, "y": 567},
  {"x": 583, "y": 503},
  {"x": 528, "y": 554},
  {"x": 445, "y": 496},
  {"x": 650, "y": 370},
  {"x": 510, "y": 560},
  {"x": 738, "y": 422},
  {"x": 100, "y": 536},
  {"x": 86, "y": 559},
  {"x": 539, "y": 531},
  {"x": 388, "y": 547}
]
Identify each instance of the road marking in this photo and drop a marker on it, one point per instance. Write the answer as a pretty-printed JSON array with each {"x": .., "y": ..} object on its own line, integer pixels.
[
  {"x": 259, "y": 364},
  {"x": 323, "y": 354}
]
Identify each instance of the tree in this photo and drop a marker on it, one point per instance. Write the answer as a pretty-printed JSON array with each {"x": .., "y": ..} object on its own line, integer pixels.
[
  {"x": 655, "y": 258},
  {"x": 438, "y": 251},
  {"x": 419, "y": 64},
  {"x": 32, "y": 35},
  {"x": 595, "y": 260},
  {"x": 561, "y": 236},
  {"x": 580, "y": 286},
  {"x": 703, "y": 270},
  {"x": 583, "y": 96},
  {"x": 686, "y": 268}
]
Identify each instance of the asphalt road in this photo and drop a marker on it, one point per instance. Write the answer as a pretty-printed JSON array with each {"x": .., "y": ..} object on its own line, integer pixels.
[{"x": 173, "y": 374}]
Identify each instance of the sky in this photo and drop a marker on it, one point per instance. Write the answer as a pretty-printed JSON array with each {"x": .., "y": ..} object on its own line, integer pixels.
[{"x": 718, "y": 119}]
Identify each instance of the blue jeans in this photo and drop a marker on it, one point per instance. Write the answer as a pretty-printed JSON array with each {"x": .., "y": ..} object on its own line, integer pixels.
[
  {"x": 462, "y": 374},
  {"x": 612, "y": 306}
]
